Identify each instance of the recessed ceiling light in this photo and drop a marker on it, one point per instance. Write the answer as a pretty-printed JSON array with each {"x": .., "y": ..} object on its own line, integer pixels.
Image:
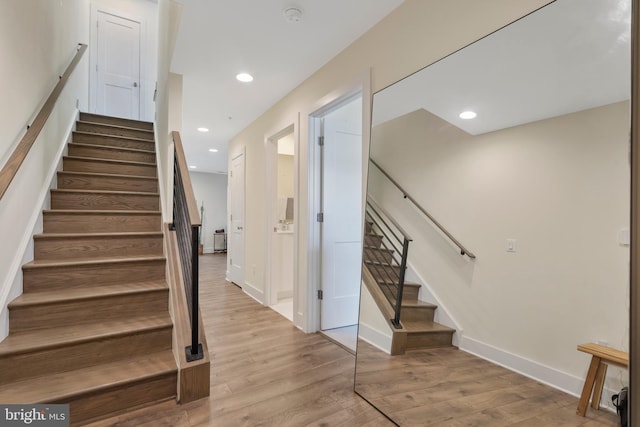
[
  {"x": 466, "y": 115},
  {"x": 192, "y": 167},
  {"x": 203, "y": 130},
  {"x": 213, "y": 150},
  {"x": 244, "y": 77}
]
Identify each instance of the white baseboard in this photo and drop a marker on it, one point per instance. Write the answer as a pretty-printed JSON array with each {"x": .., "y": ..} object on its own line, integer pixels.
[
  {"x": 552, "y": 377},
  {"x": 253, "y": 292},
  {"x": 374, "y": 337}
]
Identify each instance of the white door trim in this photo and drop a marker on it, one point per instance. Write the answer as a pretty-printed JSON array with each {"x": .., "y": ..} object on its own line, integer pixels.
[
  {"x": 311, "y": 241},
  {"x": 271, "y": 182},
  {"x": 93, "y": 54}
]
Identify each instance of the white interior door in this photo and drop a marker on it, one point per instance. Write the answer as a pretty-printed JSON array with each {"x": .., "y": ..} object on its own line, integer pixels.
[
  {"x": 342, "y": 211},
  {"x": 236, "y": 220},
  {"x": 118, "y": 67}
]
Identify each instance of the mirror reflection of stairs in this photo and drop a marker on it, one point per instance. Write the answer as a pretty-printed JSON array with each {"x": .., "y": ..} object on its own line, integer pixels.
[
  {"x": 92, "y": 327},
  {"x": 381, "y": 274}
]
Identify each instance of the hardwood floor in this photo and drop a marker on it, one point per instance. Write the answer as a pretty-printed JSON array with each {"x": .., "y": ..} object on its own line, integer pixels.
[{"x": 266, "y": 372}]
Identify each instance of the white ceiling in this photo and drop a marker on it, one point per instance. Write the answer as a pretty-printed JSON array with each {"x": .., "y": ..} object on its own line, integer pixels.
[
  {"x": 534, "y": 69},
  {"x": 219, "y": 39}
]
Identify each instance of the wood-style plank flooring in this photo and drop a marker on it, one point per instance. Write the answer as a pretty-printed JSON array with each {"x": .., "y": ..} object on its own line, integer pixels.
[{"x": 266, "y": 372}]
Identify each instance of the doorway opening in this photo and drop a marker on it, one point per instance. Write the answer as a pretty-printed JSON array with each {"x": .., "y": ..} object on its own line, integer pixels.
[
  {"x": 280, "y": 289},
  {"x": 337, "y": 144},
  {"x": 235, "y": 249}
]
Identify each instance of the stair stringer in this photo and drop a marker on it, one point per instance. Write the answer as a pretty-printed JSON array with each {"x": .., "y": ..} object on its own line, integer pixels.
[
  {"x": 426, "y": 294},
  {"x": 11, "y": 285}
]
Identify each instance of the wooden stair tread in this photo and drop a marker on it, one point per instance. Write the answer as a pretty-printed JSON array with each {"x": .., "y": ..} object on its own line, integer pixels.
[
  {"x": 112, "y": 148},
  {"x": 74, "y": 294},
  {"x": 80, "y": 132},
  {"x": 64, "y": 386},
  {"x": 107, "y": 175},
  {"x": 422, "y": 326},
  {"x": 418, "y": 304},
  {"x": 90, "y": 262},
  {"x": 111, "y": 161},
  {"x": 382, "y": 264},
  {"x": 109, "y": 125},
  {"x": 103, "y": 116},
  {"x": 39, "y": 339},
  {"x": 104, "y": 192},
  {"x": 101, "y": 212},
  {"x": 46, "y": 236}
]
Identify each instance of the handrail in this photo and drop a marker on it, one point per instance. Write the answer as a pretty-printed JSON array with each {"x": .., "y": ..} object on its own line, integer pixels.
[
  {"x": 376, "y": 205},
  {"x": 16, "y": 159},
  {"x": 463, "y": 250},
  {"x": 186, "y": 224}
]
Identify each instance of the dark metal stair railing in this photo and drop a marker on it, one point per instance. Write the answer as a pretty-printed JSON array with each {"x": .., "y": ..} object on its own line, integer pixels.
[
  {"x": 393, "y": 241},
  {"x": 186, "y": 224}
]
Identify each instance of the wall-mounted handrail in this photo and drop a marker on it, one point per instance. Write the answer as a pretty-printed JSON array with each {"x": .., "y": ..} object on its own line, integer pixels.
[
  {"x": 16, "y": 159},
  {"x": 186, "y": 224},
  {"x": 463, "y": 250}
]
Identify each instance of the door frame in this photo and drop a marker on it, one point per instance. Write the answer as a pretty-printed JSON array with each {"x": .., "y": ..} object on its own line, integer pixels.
[
  {"x": 358, "y": 87},
  {"x": 271, "y": 190},
  {"x": 230, "y": 250},
  {"x": 93, "y": 54}
]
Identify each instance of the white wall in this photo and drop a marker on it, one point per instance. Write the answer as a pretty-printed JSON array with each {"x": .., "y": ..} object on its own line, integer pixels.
[
  {"x": 414, "y": 35},
  {"x": 561, "y": 188},
  {"x": 38, "y": 39},
  {"x": 211, "y": 189}
]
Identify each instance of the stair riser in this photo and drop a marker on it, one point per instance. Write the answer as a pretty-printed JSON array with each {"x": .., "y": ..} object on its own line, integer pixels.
[
  {"x": 87, "y": 311},
  {"x": 80, "y": 248},
  {"x": 96, "y": 118},
  {"x": 111, "y": 154},
  {"x": 415, "y": 313},
  {"x": 97, "y": 166},
  {"x": 121, "y": 398},
  {"x": 377, "y": 256},
  {"x": 63, "y": 359},
  {"x": 55, "y": 222},
  {"x": 374, "y": 241},
  {"x": 112, "y": 141},
  {"x": 115, "y": 131},
  {"x": 428, "y": 339},
  {"x": 107, "y": 183},
  {"x": 65, "y": 277},
  {"x": 98, "y": 201},
  {"x": 409, "y": 293}
]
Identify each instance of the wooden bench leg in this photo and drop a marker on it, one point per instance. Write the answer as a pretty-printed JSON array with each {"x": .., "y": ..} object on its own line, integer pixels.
[
  {"x": 588, "y": 386},
  {"x": 599, "y": 385}
]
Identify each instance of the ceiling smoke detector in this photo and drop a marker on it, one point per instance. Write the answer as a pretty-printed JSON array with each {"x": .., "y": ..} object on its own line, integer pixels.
[{"x": 292, "y": 14}]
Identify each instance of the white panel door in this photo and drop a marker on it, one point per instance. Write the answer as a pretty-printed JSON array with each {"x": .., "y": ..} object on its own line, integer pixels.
[
  {"x": 342, "y": 208},
  {"x": 236, "y": 241},
  {"x": 118, "y": 67}
]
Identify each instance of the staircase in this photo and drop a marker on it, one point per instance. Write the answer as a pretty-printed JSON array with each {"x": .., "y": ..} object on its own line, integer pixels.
[
  {"x": 381, "y": 276},
  {"x": 92, "y": 328}
]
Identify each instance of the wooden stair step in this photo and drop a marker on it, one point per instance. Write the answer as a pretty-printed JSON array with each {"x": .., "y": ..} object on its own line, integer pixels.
[
  {"x": 116, "y": 167},
  {"x": 417, "y": 310},
  {"x": 68, "y": 180},
  {"x": 32, "y": 353},
  {"x": 105, "y": 129},
  {"x": 427, "y": 334},
  {"x": 78, "y": 246},
  {"x": 53, "y": 275},
  {"x": 371, "y": 253},
  {"x": 100, "y": 221},
  {"x": 54, "y": 309},
  {"x": 112, "y": 141},
  {"x": 104, "y": 200},
  {"x": 373, "y": 240},
  {"x": 97, "y": 391},
  {"x": 117, "y": 121},
  {"x": 410, "y": 291},
  {"x": 112, "y": 153}
]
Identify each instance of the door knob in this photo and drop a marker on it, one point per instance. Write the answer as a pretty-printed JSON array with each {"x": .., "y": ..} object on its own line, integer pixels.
[{"x": 135, "y": 84}]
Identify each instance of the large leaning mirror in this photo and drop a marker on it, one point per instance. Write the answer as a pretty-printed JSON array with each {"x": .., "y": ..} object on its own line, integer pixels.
[{"x": 498, "y": 194}]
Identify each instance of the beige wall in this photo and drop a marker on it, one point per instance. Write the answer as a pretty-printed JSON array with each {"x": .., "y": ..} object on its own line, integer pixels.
[
  {"x": 560, "y": 187},
  {"x": 285, "y": 176},
  {"x": 38, "y": 39},
  {"x": 210, "y": 189},
  {"x": 414, "y": 35}
]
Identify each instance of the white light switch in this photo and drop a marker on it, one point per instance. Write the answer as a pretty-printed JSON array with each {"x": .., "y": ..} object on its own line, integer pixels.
[
  {"x": 511, "y": 245},
  {"x": 624, "y": 239}
]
